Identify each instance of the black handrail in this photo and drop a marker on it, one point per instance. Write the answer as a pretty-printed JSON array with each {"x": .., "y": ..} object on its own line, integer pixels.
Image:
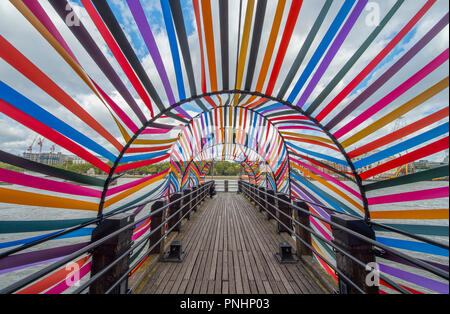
[
  {"x": 336, "y": 247},
  {"x": 35, "y": 276},
  {"x": 414, "y": 261}
]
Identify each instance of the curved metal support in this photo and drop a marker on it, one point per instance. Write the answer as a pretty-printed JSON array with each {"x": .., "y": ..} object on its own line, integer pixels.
[{"x": 257, "y": 94}]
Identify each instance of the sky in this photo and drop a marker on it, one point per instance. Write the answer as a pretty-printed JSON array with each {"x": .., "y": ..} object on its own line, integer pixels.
[{"x": 15, "y": 138}]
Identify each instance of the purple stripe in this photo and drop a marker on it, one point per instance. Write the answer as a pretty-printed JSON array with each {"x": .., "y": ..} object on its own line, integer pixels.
[
  {"x": 99, "y": 58},
  {"x": 309, "y": 197},
  {"x": 149, "y": 39},
  {"x": 332, "y": 51},
  {"x": 7, "y": 270},
  {"x": 39, "y": 256},
  {"x": 395, "y": 258},
  {"x": 388, "y": 74},
  {"x": 415, "y": 279}
]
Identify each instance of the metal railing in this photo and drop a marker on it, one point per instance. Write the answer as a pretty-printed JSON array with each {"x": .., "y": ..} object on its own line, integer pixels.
[
  {"x": 253, "y": 193},
  {"x": 195, "y": 197}
]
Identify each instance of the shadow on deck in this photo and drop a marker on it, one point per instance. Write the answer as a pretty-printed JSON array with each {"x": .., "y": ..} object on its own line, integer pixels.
[{"x": 230, "y": 249}]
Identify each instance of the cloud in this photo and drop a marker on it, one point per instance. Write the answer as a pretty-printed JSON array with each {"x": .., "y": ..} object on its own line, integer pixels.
[{"x": 31, "y": 44}]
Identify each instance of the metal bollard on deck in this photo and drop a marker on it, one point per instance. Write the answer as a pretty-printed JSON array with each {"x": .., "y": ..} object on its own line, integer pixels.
[
  {"x": 155, "y": 223},
  {"x": 109, "y": 251},
  {"x": 357, "y": 248},
  {"x": 286, "y": 209},
  {"x": 303, "y": 218},
  {"x": 175, "y": 204}
]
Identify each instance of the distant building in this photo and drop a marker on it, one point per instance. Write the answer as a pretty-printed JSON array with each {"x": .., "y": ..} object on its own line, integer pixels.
[{"x": 47, "y": 158}]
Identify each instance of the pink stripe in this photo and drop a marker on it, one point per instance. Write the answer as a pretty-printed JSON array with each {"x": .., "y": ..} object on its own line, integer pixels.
[
  {"x": 410, "y": 196},
  {"x": 140, "y": 233},
  {"x": 126, "y": 186},
  {"x": 39, "y": 12},
  {"x": 413, "y": 80},
  {"x": 46, "y": 184},
  {"x": 63, "y": 286},
  {"x": 155, "y": 131},
  {"x": 122, "y": 115},
  {"x": 328, "y": 177},
  {"x": 322, "y": 231}
]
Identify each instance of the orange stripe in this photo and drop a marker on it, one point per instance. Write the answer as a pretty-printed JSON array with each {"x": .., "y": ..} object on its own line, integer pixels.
[
  {"x": 411, "y": 214},
  {"x": 209, "y": 40},
  {"x": 35, "y": 199},
  {"x": 270, "y": 48}
]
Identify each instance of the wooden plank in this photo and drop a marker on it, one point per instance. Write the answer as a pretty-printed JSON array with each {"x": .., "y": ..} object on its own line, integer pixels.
[{"x": 230, "y": 248}]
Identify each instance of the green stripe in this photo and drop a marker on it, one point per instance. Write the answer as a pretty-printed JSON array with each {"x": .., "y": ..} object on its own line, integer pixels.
[
  {"x": 15, "y": 226},
  {"x": 427, "y": 175},
  {"x": 417, "y": 229}
]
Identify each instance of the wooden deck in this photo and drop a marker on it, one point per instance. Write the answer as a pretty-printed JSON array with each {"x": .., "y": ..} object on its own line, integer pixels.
[{"x": 230, "y": 249}]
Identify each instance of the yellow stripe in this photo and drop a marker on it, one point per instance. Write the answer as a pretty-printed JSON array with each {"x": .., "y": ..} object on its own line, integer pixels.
[
  {"x": 309, "y": 137},
  {"x": 405, "y": 108},
  {"x": 132, "y": 190},
  {"x": 269, "y": 50},
  {"x": 328, "y": 185},
  {"x": 244, "y": 46}
]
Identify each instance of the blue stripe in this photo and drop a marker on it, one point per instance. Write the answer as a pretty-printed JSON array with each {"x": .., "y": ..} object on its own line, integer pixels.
[
  {"x": 336, "y": 204},
  {"x": 417, "y": 140},
  {"x": 413, "y": 246},
  {"x": 173, "y": 48},
  {"x": 143, "y": 156},
  {"x": 77, "y": 233},
  {"x": 319, "y": 155},
  {"x": 335, "y": 26},
  {"x": 25, "y": 105}
]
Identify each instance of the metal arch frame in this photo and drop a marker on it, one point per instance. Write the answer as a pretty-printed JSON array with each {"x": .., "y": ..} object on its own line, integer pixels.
[
  {"x": 211, "y": 146},
  {"x": 109, "y": 178},
  {"x": 265, "y": 119}
]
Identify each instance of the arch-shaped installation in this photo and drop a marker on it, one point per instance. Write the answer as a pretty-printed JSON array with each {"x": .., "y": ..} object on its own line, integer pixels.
[{"x": 339, "y": 107}]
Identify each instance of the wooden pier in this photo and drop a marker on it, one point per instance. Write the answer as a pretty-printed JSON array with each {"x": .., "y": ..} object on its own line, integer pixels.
[{"x": 230, "y": 249}]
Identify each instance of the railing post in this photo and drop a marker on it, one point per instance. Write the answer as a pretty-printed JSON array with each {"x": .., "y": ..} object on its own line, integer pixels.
[
  {"x": 286, "y": 209},
  {"x": 109, "y": 251},
  {"x": 212, "y": 189},
  {"x": 175, "y": 202},
  {"x": 195, "y": 198},
  {"x": 156, "y": 222},
  {"x": 225, "y": 186},
  {"x": 261, "y": 199},
  {"x": 303, "y": 218},
  {"x": 270, "y": 204},
  {"x": 239, "y": 191},
  {"x": 187, "y": 203},
  {"x": 357, "y": 248}
]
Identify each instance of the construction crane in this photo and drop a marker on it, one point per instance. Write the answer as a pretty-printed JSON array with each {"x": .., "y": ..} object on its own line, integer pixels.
[
  {"x": 407, "y": 168},
  {"x": 30, "y": 148},
  {"x": 40, "y": 143}
]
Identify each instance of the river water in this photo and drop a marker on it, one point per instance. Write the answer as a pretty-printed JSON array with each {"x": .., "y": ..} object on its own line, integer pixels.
[{"x": 10, "y": 212}]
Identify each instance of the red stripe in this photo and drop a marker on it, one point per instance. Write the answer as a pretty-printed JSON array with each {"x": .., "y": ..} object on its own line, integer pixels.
[
  {"x": 401, "y": 133},
  {"x": 117, "y": 53},
  {"x": 428, "y": 150},
  {"x": 51, "y": 134},
  {"x": 143, "y": 163},
  {"x": 289, "y": 28},
  {"x": 376, "y": 61}
]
